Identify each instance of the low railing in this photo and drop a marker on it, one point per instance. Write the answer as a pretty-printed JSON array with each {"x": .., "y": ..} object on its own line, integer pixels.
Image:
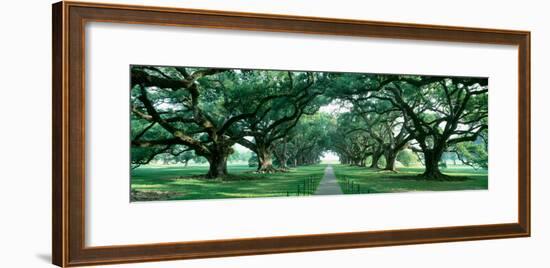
[
  {"x": 305, "y": 187},
  {"x": 352, "y": 187}
]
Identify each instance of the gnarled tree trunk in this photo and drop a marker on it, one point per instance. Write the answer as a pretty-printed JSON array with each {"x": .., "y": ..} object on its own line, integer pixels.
[
  {"x": 375, "y": 158},
  {"x": 390, "y": 160},
  {"x": 282, "y": 159},
  {"x": 265, "y": 160},
  {"x": 218, "y": 166},
  {"x": 431, "y": 160},
  {"x": 218, "y": 160},
  {"x": 282, "y": 155}
]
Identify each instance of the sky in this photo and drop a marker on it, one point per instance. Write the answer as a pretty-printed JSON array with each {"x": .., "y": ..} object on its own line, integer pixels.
[{"x": 330, "y": 157}]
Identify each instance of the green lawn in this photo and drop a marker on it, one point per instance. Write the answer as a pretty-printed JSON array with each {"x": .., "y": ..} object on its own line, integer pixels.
[
  {"x": 179, "y": 183},
  {"x": 375, "y": 181},
  {"x": 185, "y": 183}
]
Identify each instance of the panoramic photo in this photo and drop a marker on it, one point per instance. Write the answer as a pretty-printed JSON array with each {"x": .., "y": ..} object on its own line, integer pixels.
[{"x": 214, "y": 133}]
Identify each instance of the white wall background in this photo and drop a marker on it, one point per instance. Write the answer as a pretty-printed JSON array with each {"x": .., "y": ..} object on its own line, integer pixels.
[{"x": 25, "y": 135}]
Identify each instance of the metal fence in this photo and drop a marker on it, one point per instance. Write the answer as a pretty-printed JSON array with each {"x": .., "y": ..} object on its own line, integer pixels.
[
  {"x": 305, "y": 187},
  {"x": 351, "y": 187}
]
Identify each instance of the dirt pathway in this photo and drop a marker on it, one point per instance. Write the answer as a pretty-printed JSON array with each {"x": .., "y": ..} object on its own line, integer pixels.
[{"x": 328, "y": 184}]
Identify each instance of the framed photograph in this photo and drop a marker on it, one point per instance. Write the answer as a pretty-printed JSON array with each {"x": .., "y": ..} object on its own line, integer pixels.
[{"x": 181, "y": 133}]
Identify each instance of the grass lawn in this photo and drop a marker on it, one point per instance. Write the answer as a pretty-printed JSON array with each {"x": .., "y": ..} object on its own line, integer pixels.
[
  {"x": 181, "y": 183},
  {"x": 375, "y": 181}
]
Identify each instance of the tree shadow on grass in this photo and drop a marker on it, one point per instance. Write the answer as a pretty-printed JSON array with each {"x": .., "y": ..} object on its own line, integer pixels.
[
  {"x": 157, "y": 184},
  {"x": 420, "y": 177}
]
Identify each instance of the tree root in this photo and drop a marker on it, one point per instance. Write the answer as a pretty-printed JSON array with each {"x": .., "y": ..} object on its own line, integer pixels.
[{"x": 271, "y": 170}]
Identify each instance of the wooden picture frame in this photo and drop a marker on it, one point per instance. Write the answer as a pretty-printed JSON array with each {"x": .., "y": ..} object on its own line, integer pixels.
[{"x": 68, "y": 155}]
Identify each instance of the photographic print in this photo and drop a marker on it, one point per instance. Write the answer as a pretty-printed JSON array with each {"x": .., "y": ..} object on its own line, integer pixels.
[{"x": 214, "y": 133}]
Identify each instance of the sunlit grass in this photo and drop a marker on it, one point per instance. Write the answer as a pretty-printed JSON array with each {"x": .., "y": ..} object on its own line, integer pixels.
[
  {"x": 406, "y": 180},
  {"x": 185, "y": 183}
]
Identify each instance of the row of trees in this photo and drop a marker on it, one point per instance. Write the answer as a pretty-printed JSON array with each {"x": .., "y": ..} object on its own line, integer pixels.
[
  {"x": 427, "y": 114},
  {"x": 276, "y": 115},
  {"x": 187, "y": 156},
  {"x": 208, "y": 111}
]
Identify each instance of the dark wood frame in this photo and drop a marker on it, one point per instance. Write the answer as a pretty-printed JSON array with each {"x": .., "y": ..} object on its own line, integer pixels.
[{"x": 69, "y": 143}]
